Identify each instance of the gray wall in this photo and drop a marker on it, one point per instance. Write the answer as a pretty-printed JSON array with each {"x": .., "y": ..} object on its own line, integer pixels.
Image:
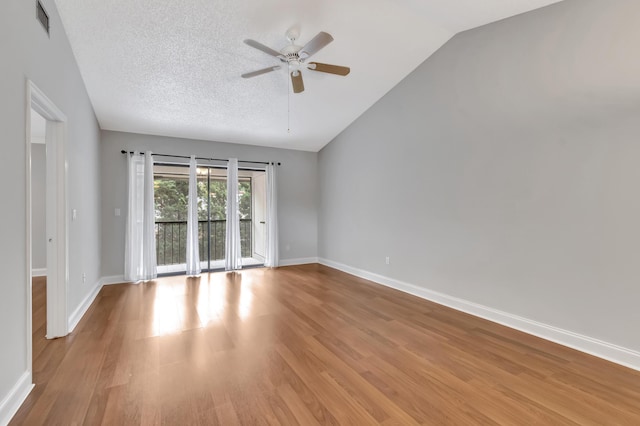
[
  {"x": 297, "y": 190},
  {"x": 38, "y": 206},
  {"x": 504, "y": 171},
  {"x": 27, "y": 53}
]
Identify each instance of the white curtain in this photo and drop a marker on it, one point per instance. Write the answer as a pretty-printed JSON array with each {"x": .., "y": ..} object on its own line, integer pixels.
[
  {"x": 193, "y": 247},
  {"x": 140, "y": 244},
  {"x": 271, "y": 256},
  {"x": 233, "y": 258},
  {"x": 149, "y": 266}
]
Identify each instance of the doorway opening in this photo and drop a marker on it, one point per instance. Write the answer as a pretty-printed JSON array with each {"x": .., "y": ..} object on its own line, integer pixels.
[
  {"x": 47, "y": 243},
  {"x": 171, "y": 191}
]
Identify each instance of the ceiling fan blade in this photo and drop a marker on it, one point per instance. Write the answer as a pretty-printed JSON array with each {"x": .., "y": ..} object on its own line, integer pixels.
[
  {"x": 260, "y": 72},
  {"x": 328, "y": 68},
  {"x": 262, "y": 47},
  {"x": 296, "y": 81},
  {"x": 316, "y": 43}
]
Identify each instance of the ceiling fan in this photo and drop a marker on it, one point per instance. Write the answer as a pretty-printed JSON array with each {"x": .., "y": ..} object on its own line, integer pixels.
[{"x": 295, "y": 57}]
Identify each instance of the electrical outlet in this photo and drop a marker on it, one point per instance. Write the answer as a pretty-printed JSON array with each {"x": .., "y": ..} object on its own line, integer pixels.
[
  {"x": 84, "y": 277},
  {"x": 386, "y": 260}
]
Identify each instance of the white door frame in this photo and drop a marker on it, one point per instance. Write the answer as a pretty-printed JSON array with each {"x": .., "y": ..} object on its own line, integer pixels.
[{"x": 57, "y": 235}]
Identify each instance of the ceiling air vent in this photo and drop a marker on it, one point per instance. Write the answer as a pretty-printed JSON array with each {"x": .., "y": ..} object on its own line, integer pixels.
[{"x": 42, "y": 16}]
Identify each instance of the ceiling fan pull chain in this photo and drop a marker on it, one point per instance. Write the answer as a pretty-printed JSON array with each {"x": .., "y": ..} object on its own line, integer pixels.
[{"x": 288, "y": 107}]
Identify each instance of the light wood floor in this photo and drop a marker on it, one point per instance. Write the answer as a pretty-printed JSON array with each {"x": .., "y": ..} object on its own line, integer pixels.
[{"x": 308, "y": 345}]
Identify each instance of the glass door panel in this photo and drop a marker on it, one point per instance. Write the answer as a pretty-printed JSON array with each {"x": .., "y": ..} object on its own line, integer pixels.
[
  {"x": 244, "y": 207},
  {"x": 203, "y": 217},
  {"x": 171, "y": 192},
  {"x": 218, "y": 212},
  {"x": 259, "y": 195}
]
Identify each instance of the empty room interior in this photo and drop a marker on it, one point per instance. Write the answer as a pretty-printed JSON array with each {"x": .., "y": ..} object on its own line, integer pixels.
[{"x": 301, "y": 212}]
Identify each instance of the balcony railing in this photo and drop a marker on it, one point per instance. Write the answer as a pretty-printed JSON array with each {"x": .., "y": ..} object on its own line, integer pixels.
[{"x": 171, "y": 240}]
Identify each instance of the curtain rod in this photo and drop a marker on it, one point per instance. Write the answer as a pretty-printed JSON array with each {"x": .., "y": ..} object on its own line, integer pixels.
[{"x": 202, "y": 158}]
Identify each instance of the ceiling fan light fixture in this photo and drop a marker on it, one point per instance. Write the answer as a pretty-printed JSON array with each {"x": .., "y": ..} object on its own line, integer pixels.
[{"x": 294, "y": 66}]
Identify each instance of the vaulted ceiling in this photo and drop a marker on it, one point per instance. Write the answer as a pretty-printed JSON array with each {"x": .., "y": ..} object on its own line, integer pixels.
[{"x": 173, "y": 68}]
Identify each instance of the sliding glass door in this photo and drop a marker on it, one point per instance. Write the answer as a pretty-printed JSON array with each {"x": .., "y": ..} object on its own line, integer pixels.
[{"x": 171, "y": 197}]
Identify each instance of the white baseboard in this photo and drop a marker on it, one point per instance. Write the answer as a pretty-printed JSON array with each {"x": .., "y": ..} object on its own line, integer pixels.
[
  {"x": 299, "y": 261},
  {"x": 77, "y": 315},
  {"x": 14, "y": 399},
  {"x": 113, "y": 279},
  {"x": 614, "y": 353},
  {"x": 39, "y": 272}
]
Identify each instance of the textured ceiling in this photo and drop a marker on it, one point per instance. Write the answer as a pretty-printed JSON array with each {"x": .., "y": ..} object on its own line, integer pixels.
[{"x": 173, "y": 68}]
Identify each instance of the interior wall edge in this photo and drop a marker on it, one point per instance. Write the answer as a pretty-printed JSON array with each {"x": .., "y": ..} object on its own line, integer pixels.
[{"x": 589, "y": 345}]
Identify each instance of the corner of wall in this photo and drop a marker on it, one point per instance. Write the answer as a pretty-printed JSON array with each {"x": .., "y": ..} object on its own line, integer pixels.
[
  {"x": 79, "y": 312},
  {"x": 299, "y": 261}
]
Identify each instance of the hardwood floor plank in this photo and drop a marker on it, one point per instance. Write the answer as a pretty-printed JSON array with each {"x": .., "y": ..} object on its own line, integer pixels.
[
  {"x": 304, "y": 394},
  {"x": 306, "y": 345},
  {"x": 226, "y": 415},
  {"x": 298, "y": 408}
]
